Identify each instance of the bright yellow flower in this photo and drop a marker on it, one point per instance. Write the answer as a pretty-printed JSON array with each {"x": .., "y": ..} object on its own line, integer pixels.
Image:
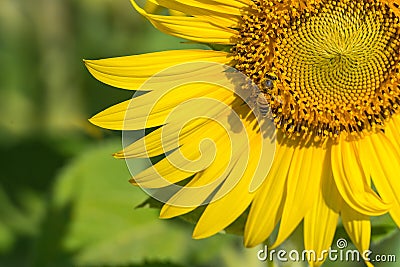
[{"x": 329, "y": 71}]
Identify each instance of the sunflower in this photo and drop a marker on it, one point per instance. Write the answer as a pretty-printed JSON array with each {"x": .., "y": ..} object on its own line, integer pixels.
[{"x": 328, "y": 71}]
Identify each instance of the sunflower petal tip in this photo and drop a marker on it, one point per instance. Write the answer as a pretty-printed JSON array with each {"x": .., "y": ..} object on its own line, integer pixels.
[
  {"x": 248, "y": 243},
  {"x": 99, "y": 122},
  {"x": 87, "y": 62},
  {"x": 162, "y": 214},
  {"x": 117, "y": 155},
  {"x": 201, "y": 233},
  {"x": 167, "y": 212},
  {"x": 276, "y": 244},
  {"x": 133, "y": 182},
  {"x": 93, "y": 120},
  {"x": 197, "y": 234}
]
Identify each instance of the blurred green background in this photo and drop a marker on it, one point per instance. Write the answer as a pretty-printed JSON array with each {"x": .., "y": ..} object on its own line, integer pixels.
[{"x": 64, "y": 201}]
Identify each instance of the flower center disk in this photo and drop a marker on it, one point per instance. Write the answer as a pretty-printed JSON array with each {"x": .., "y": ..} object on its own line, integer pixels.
[{"x": 336, "y": 64}]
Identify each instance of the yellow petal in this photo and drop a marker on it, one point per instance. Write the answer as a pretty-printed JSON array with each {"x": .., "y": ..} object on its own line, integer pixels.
[
  {"x": 234, "y": 196},
  {"x": 358, "y": 227},
  {"x": 162, "y": 174},
  {"x": 190, "y": 158},
  {"x": 163, "y": 140},
  {"x": 320, "y": 223},
  {"x": 352, "y": 182},
  {"x": 227, "y": 14},
  {"x": 190, "y": 28},
  {"x": 303, "y": 184},
  {"x": 392, "y": 130},
  {"x": 200, "y": 187},
  {"x": 131, "y": 72},
  {"x": 169, "y": 211},
  {"x": 154, "y": 108},
  {"x": 228, "y": 7},
  {"x": 379, "y": 154},
  {"x": 224, "y": 169},
  {"x": 266, "y": 208},
  {"x": 150, "y": 6},
  {"x": 195, "y": 193},
  {"x": 111, "y": 118},
  {"x": 221, "y": 213}
]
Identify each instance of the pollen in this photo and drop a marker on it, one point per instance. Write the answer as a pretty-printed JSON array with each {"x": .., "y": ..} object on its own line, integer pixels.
[{"x": 336, "y": 63}]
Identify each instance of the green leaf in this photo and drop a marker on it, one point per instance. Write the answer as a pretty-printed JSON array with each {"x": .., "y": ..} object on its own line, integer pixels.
[{"x": 383, "y": 227}]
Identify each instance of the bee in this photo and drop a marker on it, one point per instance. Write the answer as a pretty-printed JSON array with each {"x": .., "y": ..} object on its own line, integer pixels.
[
  {"x": 257, "y": 99},
  {"x": 262, "y": 105},
  {"x": 269, "y": 82},
  {"x": 259, "y": 103}
]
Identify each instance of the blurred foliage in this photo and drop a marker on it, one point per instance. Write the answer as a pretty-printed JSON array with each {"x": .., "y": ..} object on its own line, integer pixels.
[{"x": 64, "y": 201}]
